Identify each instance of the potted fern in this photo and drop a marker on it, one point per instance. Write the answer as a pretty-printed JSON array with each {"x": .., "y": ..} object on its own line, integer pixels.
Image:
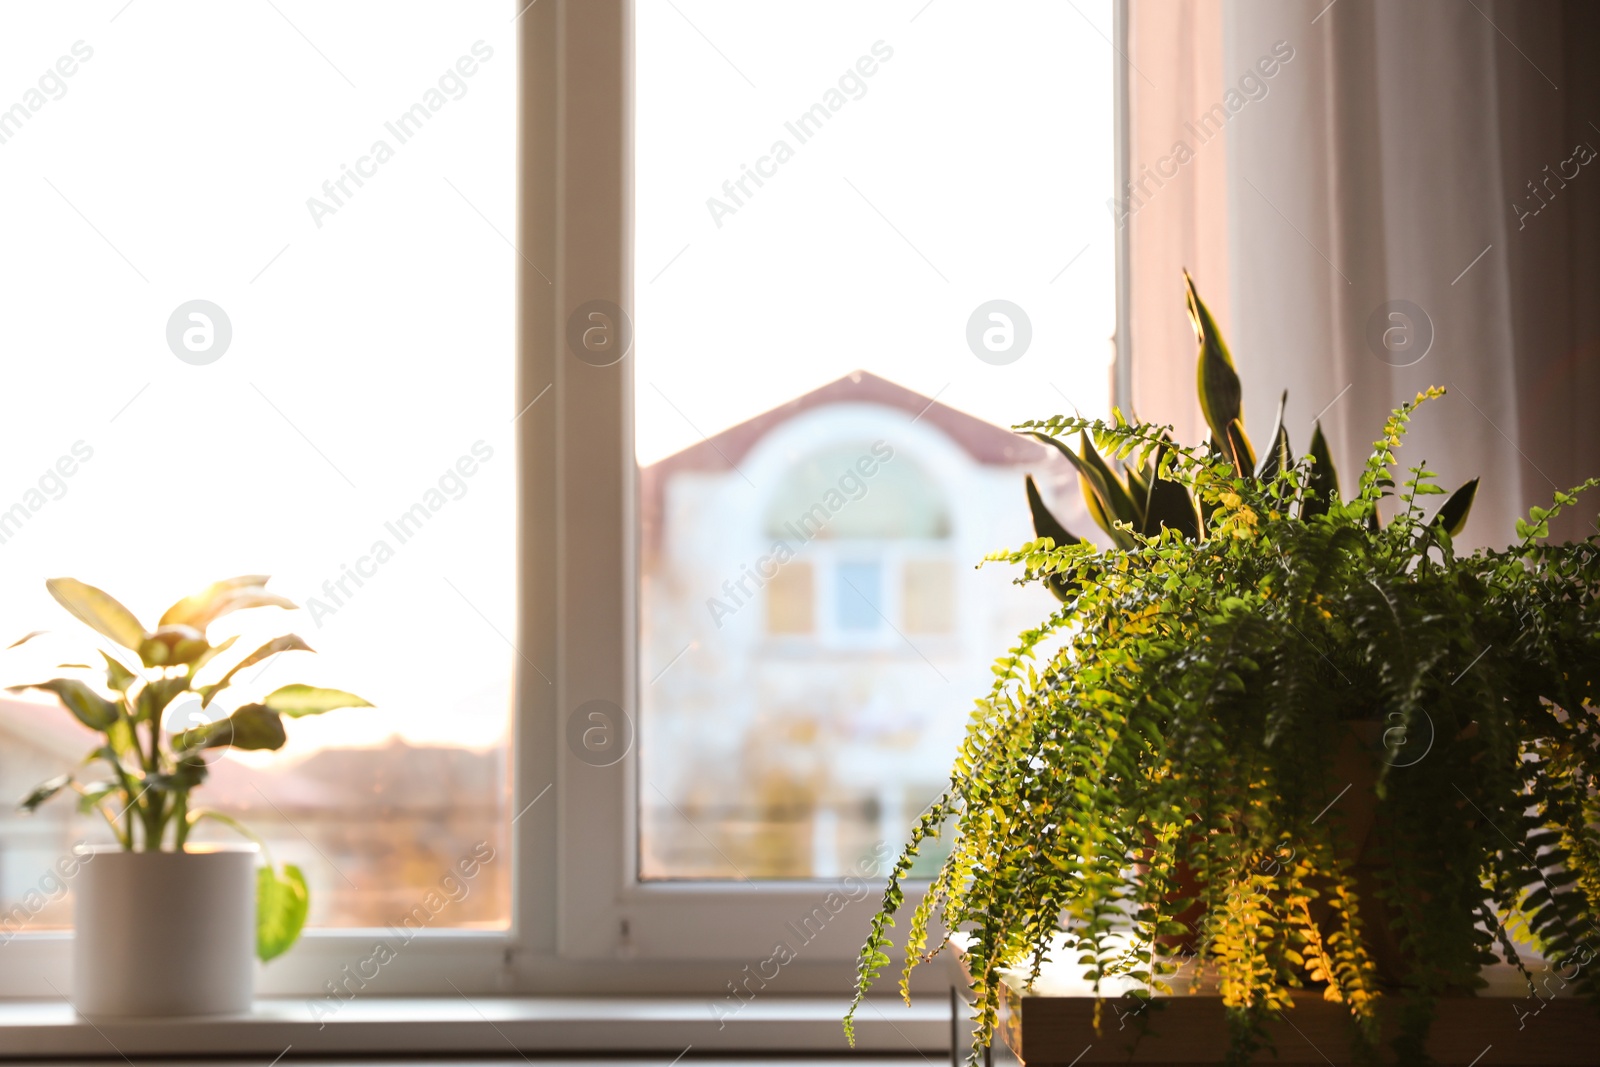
[
  {"x": 164, "y": 926},
  {"x": 1287, "y": 739}
]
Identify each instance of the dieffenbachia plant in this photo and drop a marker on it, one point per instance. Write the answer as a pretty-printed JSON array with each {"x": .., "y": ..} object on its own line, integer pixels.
[{"x": 150, "y": 765}]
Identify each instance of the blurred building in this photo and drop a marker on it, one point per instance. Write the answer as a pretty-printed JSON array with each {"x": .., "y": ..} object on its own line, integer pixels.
[
  {"x": 373, "y": 829},
  {"x": 813, "y": 626}
]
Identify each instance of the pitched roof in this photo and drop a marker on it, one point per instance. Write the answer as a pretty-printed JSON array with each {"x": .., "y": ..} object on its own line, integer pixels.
[{"x": 986, "y": 443}]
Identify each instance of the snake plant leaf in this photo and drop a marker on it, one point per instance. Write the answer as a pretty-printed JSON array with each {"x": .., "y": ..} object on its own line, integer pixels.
[
  {"x": 1119, "y": 501},
  {"x": 1279, "y": 456},
  {"x": 1170, "y": 505},
  {"x": 1324, "y": 479},
  {"x": 1452, "y": 514},
  {"x": 1220, "y": 392},
  {"x": 98, "y": 610},
  {"x": 200, "y": 609},
  {"x": 286, "y": 643},
  {"x": 282, "y": 903},
  {"x": 1238, "y": 449},
  {"x": 172, "y": 646},
  {"x": 118, "y": 677},
  {"x": 1096, "y": 493},
  {"x": 253, "y": 726},
  {"x": 43, "y": 792},
  {"x": 297, "y": 700},
  {"x": 91, "y": 709},
  {"x": 1046, "y": 524}
]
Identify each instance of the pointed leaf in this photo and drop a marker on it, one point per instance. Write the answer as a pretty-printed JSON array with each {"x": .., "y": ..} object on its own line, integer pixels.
[
  {"x": 118, "y": 677},
  {"x": 1279, "y": 456},
  {"x": 211, "y": 653},
  {"x": 1324, "y": 488},
  {"x": 198, "y": 610},
  {"x": 99, "y": 610},
  {"x": 297, "y": 700},
  {"x": 1218, "y": 382},
  {"x": 43, "y": 792},
  {"x": 253, "y": 726},
  {"x": 1239, "y": 450},
  {"x": 1095, "y": 492},
  {"x": 1170, "y": 505},
  {"x": 25, "y": 638},
  {"x": 286, "y": 643},
  {"x": 1120, "y": 502},
  {"x": 1452, "y": 514},
  {"x": 92, "y": 709},
  {"x": 1046, "y": 524},
  {"x": 282, "y": 903}
]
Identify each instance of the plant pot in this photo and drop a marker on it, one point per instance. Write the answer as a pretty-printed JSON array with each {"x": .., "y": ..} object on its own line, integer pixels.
[{"x": 165, "y": 933}]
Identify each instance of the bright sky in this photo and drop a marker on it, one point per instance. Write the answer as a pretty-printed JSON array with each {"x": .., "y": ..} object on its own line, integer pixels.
[
  {"x": 366, "y": 357},
  {"x": 370, "y": 354},
  {"x": 975, "y": 165}
]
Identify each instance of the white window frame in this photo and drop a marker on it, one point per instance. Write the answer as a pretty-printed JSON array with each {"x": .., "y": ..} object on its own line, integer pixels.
[
  {"x": 606, "y": 911},
  {"x": 581, "y": 921}
]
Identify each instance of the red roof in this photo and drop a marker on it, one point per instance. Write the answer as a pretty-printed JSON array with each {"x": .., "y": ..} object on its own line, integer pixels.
[{"x": 985, "y": 442}]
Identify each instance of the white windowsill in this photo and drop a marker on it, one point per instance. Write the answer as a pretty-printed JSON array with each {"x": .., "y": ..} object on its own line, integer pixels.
[{"x": 486, "y": 1025}]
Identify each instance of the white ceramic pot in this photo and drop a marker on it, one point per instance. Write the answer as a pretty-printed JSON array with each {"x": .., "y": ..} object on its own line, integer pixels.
[{"x": 165, "y": 933}]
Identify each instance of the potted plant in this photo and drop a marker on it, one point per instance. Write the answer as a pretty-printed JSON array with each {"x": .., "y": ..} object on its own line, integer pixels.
[
  {"x": 1266, "y": 727},
  {"x": 165, "y": 927}
]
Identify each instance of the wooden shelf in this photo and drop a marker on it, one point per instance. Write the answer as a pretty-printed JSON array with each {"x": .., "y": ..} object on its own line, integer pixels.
[{"x": 1489, "y": 1031}]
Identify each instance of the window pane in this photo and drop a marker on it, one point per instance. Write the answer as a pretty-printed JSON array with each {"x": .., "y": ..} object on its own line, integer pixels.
[
  {"x": 858, "y": 597},
  {"x": 791, "y": 600},
  {"x": 336, "y": 413},
  {"x": 884, "y": 243},
  {"x": 929, "y": 596}
]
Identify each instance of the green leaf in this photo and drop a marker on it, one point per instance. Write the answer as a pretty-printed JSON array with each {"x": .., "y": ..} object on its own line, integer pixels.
[
  {"x": 1169, "y": 505},
  {"x": 282, "y": 903},
  {"x": 1096, "y": 493},
  {"x": 253, "y": 726},
  {"x": 210, "y": 654},
  {"x": 94, "y": 792},
  {"x": 99, "y": 610},
  {"x": 1239, "y": 449},
  {"x": 1452, "y": 514},
  {"x": 92, "y": 709},
  {"x": 118, "y": 677},
  {"x": 1324, "y": 487},
  {"x": 1047, "y": 525},
  {"x": 43, "y": 792},
  {"x": 286, "y": 643},
  {"x": 1220, "y": 392},
  {"x": 172, "y": 645},
  {"x": 203, "y": 607},
  {"x": 297, "y": 700},
  {"x": 1278, "y": 457},
  {"x": 155, "y": 696},
  {"x": 1121, "y": 503}
]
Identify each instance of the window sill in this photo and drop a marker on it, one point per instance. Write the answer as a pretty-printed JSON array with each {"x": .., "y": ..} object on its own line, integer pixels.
[{"x": 484, "y": 1025}]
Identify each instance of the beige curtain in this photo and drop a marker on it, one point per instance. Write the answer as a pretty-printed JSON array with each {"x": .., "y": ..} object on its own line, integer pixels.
[{"x": 1405, "y": 170}]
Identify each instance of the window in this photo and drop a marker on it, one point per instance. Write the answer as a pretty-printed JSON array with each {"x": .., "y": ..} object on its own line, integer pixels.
[
  {"x": 804, "y": 342},
  {"x": 259, "y": 318},
  {"x": 852, "y": 275}
]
